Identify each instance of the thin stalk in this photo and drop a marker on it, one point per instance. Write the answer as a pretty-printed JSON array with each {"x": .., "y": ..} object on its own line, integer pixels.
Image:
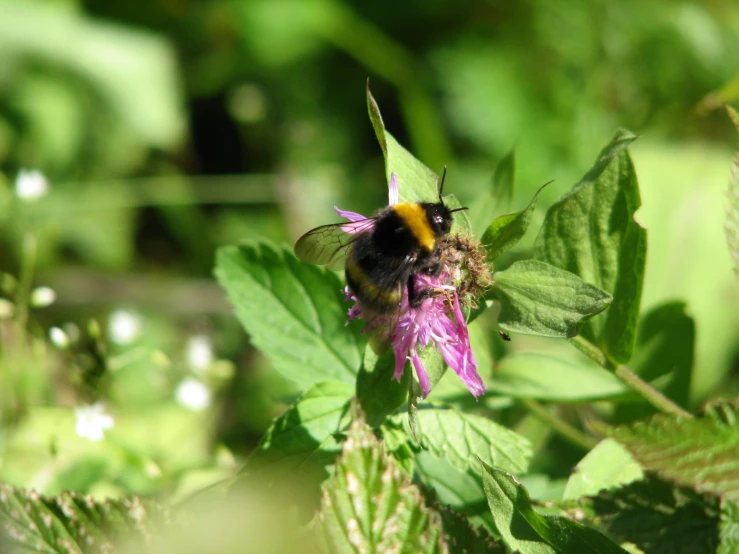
[
  {"x": 631, "y": 379},
  {"x": 559, "y": 426},
  {"x": 653, "y": 396}
]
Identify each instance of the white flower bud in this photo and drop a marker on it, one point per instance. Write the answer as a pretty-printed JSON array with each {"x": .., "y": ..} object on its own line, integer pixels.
[
  {"x": 59, "y": 338},
  {"x": 193, "y": 394},
  {"x": 124, "y": 327},
  {"x": 30, "y": 185},
  {"x": 42, "y": 297},
  {"x": 92, "y": 421},
  {"x": 199, "y": 353}
]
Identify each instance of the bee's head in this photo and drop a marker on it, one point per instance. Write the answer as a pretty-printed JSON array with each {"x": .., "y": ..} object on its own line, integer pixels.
[
  {"x": 439, "y": 215},
  {"x": 440, "y": 218}
]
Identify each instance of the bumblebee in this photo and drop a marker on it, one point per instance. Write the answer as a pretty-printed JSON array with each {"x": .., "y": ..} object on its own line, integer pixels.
[{"x": 382, "y": 254}]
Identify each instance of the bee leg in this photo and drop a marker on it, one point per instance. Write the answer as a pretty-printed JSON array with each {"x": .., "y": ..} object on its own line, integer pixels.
[
  {"x": 415, "y": 297},
  {"x": 434, "y": 269}
]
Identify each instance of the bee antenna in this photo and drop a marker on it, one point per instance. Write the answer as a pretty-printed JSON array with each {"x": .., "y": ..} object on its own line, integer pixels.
[
  {"x": 458, "y": 209},
  {"x": 441, "y": 186}
]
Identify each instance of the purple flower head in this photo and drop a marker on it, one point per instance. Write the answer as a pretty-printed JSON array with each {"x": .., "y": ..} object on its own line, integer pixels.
[{"x": 438, "y": 319}]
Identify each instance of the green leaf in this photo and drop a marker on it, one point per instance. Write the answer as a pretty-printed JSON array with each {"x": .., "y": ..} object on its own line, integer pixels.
[
  {"x": 378, "y": 392},
  {"x": 462, "y": 536},
  {"x": 656, "y": 516},
  {"x": 732, "y": 210},
  {"x": 702, "y": 453},
  {"x": 505, "y": 231},
  {"x": 294, "y": 313},
  {"x": 553, "y": 376},
  {"x": 729, "y": 528},
  {"x": 606, "y": 466},
  {"x": 497, "y": 198},
  {"x": 523, "y": 530},
  {"x": 591, "y": 232},
  {"x": 73, "y": 523},
  {"x": 460, "y": 490},
  {"x": 380, "y": 395},
  {"x": 539, "y": 299},
  {"x": 303, "y": 440},
  {"x": 460, "y": 438},
  {"x": 371, "y": 505},
  {"x": 692, "y": 264},
  {"x": 665, "y": 351},
  {"x": 416, "y": 182}
]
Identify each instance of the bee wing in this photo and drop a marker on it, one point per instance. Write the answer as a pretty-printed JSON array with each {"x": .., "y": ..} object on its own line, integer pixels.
[{"x": 328, "y": 244}]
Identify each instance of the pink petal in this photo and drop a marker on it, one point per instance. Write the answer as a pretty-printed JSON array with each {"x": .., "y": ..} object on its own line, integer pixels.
[
  {"x": 459, "y": 356},
  {"x": 399, "y": 365},
  {"x": 393, "y": 194},
  {"x": 423, "y": 378},
  {"x": 351, "y": 216}
]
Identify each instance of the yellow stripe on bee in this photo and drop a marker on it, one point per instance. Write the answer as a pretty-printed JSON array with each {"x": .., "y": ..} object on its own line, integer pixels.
[{"x": 417, "y": 221}]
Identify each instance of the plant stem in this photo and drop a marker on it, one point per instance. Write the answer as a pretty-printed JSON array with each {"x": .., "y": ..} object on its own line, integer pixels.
[
  {"x": 631, "y": 379},
  {"x": 561, "y": 427},
  {"x": 653, "y": 396}
]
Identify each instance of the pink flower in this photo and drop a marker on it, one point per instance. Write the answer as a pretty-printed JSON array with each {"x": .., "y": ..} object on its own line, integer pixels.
[{"x": 438, "y": 319}]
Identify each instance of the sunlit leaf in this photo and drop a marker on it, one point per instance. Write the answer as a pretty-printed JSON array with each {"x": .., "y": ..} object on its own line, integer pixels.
[
  {"x": 294, "y": 313},
  {"x": 304, "y": 437},
  {"x": 540, "y": 299},
  {"x": 552, "y": 376},
  {"x": 688, "y": 258},
  {"x": 592, "y": 233},
  {"x": 606, "y": 466},
  {"x": 463, "y": 438}
]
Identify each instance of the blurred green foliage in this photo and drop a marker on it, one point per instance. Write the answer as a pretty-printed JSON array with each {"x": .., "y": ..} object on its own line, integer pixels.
[{"x": 167, "y": 128}]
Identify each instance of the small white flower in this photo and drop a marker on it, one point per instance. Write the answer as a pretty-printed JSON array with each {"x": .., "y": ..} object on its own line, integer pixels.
[
  {"x": 92, "y": 421},
  {"x": 59, "y": 338},
  {"x": 199, "y": 353},
  {"x": 124, "y": 327},
  {"x": 42, "y": 297},
  {"x": 193, "y": 394},
  {"x": 30, "y": 185}
]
